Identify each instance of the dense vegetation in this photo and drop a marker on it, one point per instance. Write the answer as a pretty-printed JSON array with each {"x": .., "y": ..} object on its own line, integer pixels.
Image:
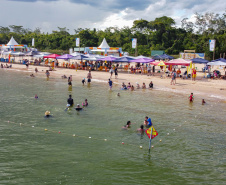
[{"x": 159, "y": 34}]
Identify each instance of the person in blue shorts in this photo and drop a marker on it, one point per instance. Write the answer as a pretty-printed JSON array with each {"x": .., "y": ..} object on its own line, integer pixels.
[{"x": 110, "y": 83}]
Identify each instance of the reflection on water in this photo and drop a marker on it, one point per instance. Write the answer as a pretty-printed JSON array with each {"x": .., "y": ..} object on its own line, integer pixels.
[{"x": 86, "y": 147}]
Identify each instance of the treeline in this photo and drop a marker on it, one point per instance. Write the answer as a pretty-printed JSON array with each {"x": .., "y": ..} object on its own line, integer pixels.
[{"x": 159, "y": 34}]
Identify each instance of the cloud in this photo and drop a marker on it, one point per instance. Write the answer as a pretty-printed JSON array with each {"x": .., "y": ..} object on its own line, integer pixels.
[{"x": 49, "y": 14}]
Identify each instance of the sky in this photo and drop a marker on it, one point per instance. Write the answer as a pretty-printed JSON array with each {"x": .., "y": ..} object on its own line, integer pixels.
[{"x": 100, "y": 14}]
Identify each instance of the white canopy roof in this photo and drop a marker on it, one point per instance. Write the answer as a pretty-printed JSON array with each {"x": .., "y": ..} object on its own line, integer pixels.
[
  {"x": 104, "y": 44},
  {"x": 217, "y": 63},
  {"x": 12, "y": 42}
]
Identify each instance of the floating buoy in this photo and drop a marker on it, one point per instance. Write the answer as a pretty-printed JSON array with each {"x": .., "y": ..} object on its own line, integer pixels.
[
  {"x": 123, "y": 143},
  {"x": 59, "y": 132},
  {"x": 141, "y": 147},
  {"x": 89, "y": 137},
  {"x": 160, "y": 140},
  {"x": 73, "y": 135},
  {"x": 46, "y": 129},
  {"x": 105, "y": 139},
  {"x": 167, "y": 133},
  {"x": 33, "y": 126}
]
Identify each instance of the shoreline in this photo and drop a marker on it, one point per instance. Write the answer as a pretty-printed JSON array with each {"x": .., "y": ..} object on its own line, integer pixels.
[{"x": 205, "y": 88}]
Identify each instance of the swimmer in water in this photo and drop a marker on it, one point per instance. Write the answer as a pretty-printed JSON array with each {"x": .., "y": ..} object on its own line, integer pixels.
[
  {"x": 127, "y": 125},
  {"x": 141, "y": 129},
  {"x": 78, "y": 108},
  {"x": 47, "y": 114},
  {"x": 118, "y": 94},
  {"x": 36, "y": 96},
  {"x": 32, "y": 75},
  {"x": 85, "y": 104},
  {"x": 203, "y": 102}
]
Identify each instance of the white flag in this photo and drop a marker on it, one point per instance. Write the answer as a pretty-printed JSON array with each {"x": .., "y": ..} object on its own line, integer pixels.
[
  {"x": 77, "y": 40},
  {"x": 134, "y": 43},
  {"x": 33, "y": 42},
  {"x": 212, "y": 45}
]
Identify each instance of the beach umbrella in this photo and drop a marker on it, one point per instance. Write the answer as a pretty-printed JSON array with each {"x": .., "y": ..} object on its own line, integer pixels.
[
  {"x": 108, "y": 58},
  {"x": 65, "y": 57},
  {"x": 217, "y": 63},
  {"x": 123, "y": 59},
  {"x": 76, "y": 54},
  {"x": 79, "y": 57},
  {"x": 141, "y": 56},
  {"x": 17, "y": 53},
  {"x": 31, "y": 53},
  {"x": 52, "y": 56},
  {"x": 159, "y": 63},
  {"x": 178, "y": 61},
  {"x": 219, "y": 59},
  {"x": 199, "y": 61},
  {"x": 142, "y": 60}
]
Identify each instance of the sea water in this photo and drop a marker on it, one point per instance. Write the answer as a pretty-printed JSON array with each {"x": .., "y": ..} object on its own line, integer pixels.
[{"x": 90, "y": 146}]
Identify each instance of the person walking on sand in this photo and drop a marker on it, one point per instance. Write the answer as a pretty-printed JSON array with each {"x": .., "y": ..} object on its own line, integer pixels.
[
  {"x": 89, "y": 77},
  {"x": 116, "y": 72},
  {"x": 172, "y": 79},
  {"x": 111, "y": 71}
]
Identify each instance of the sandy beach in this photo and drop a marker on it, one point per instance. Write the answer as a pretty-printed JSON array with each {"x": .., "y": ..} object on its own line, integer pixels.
[{"x": 202, "y": 87}]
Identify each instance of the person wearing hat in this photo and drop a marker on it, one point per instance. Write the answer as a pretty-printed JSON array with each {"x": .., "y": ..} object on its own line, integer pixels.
[
  {"x": 78, "y": 108},
  {"x": 47, "y": 114},
  {"x": 83, "y": 81}
]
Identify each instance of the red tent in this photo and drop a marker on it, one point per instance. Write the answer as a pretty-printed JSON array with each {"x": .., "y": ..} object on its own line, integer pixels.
[
  {"x": 52, "y": 56},
  {"x": 178, "y": 61}
]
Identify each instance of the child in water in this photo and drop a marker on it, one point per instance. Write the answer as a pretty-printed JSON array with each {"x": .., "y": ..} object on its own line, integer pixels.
[
  {"x": 83, "y": 81},
  {"x": 141, "y": 129},
  {"x": 36, "y": 96},
  {"x": 85, "y": 104},
  {"x": 191, "y": 97},
  {"x": 203, "y": 102}
]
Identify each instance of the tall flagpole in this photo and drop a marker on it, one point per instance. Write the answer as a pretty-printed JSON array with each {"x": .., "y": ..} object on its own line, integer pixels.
[{"x": 150, "y": 141}]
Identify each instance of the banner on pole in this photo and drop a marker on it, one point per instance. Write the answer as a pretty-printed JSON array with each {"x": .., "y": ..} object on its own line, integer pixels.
[
  {"x": 33, "y": 42},
  {"x": 77, "y": 42},
  {"x": 154, "y": 132},
  {"x": 134, "y": 42},
  {"x": 212, "y": 44}
]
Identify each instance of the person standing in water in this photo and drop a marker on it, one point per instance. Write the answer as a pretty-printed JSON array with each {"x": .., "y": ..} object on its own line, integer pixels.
[
  {"x": 147, "y": 122},
  {"x": 89, "y": 77},
  {"x": 191, "y": 97},
  {"x": 47, "y": 73},
  {"x": 70, "y": 101},
  {"x": 110, "y": 83}
]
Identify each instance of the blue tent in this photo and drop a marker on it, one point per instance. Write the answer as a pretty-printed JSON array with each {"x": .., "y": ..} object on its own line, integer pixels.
[
  {"x": 219, "y": 59},
  {"x": 123, "y": 59},
  {"x": 199, "y": 61}
]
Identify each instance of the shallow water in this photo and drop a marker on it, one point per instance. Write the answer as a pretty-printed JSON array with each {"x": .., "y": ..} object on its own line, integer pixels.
[{"x": 192, "y": 150}]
